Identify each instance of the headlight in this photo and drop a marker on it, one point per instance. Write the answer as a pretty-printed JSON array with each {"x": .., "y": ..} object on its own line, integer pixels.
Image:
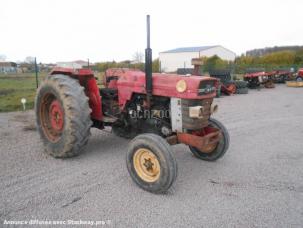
[{"x": 181, "y": 86}]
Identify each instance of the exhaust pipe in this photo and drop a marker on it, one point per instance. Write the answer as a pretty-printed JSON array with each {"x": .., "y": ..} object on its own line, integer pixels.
[{"x": 148, "y": 65}]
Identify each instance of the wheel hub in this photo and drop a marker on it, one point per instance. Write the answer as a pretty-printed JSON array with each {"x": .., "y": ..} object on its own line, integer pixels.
[
  {"x": 56, "y": 115},
  {"x": 147, "y": 165},
  {"x": 52, "y": 117},
  {"x": 209, "y": 147}
]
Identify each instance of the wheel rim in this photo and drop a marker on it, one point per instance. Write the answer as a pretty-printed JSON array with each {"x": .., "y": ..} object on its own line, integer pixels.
[
  {"x": 52, "y": 117},
  {"x": 299, "y": 79},
  {"x": 209, "y": 148},
  {"x": 56, "y": 115},
  {"x": 232, "y": 88},
  {"x": 147, "y": 165}
]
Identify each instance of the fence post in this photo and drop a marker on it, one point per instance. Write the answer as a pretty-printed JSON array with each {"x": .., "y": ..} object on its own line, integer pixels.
[{"x": 36, "y": 71}]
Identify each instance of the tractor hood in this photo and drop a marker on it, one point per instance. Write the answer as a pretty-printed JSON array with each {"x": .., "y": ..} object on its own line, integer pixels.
[{"x": 166, "y": 85}]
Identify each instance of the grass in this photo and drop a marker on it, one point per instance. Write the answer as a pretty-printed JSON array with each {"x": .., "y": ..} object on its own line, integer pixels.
[{"x": 13, "y": 87}]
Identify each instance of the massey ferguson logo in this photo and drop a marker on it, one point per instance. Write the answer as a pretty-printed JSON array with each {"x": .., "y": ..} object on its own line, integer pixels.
[{"x": 208, "y": 89}]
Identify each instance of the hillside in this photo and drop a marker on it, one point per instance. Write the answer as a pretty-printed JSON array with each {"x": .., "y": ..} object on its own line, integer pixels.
[{"x": 268, "y": 50}]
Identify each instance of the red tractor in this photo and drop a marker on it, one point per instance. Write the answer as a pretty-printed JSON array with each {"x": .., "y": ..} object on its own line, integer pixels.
[
  {"x": 299, "y": 77},
  {"x": 255, "y": 79},
  {"x": 155, "y": 110},
  {"x": 280, "y": 76}
]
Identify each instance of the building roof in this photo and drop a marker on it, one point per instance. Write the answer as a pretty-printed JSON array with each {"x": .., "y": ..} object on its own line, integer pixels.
[
  {"x": 81, "y": 62},
  {"x": 8, "y": 64},
  {"x": 189, "y": 49},
  {"x": 69, "y": 65}
]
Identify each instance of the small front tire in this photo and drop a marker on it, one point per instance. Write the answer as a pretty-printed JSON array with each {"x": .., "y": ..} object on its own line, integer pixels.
[{"x": 150, "y": 163}]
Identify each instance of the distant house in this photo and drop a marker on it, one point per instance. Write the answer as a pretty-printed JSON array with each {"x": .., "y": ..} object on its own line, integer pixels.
[
  {"x": 26, "y": 67},
  {"x": 81, "y": 62},
  {"x": 8, "y": 67},
  {"x": 48, "y": 66},
  {"x": 173, "y": 59},
  {"x": 68, "y": 65},
  {"x": 73, "y": 64}
]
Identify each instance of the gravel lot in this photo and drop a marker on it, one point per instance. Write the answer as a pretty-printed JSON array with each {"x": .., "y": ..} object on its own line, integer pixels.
[{"x": 259, "y": 182}]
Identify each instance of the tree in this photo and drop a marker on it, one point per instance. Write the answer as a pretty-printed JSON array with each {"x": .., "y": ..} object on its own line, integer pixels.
[
  {"x": 138, "y": 57},
  {"x": 29, "y": 59},
  {"x": 299, "y": 57},
  {"x": 156, "y": 65},
  {"x": 278, "y": 58},
  {"x": 214, "y": 63}
]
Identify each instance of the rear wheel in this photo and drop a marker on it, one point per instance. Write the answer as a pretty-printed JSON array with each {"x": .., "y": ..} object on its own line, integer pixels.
[
  {"x": 283, "y": 78},
  {"x": 62, "y": 116},
  {"x": 253, "y": 83},
  {"x": 242, "y": 91},
  {"x": 231, "y": 87},
  {"x": 150, "y": 163},
  {"x": 240, "y": 84},
  {"x": 215, "y": 151},
  {"x": 269, "y": 84},
  {"x": 299, "y": 79}
]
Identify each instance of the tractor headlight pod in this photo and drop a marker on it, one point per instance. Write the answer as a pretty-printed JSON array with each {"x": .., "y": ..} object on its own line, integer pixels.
[{"x": 181, "y": 86}]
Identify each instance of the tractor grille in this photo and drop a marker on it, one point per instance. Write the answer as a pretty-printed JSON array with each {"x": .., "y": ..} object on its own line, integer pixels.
[
  {"x": 195, "y": 123},
  {"x": 206, "y": 87}
]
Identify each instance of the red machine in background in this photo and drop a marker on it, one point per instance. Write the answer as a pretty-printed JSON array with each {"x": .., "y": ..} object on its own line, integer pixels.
[
  {"x": 280, "y": 76},
  {"x": 299, "y": 76},
  {"x": 255, "y": 79},
  {"x": 156, "y": 110},
  {"x": 226, "y": 85}
]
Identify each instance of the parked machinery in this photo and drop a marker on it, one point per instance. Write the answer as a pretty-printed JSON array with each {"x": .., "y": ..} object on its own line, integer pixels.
[
  {"x": 280, "y": 76},
  {"x": 299, "y": 76},
  {"x": 257, "y": 78},
  {"x": 156, "y": 110}
]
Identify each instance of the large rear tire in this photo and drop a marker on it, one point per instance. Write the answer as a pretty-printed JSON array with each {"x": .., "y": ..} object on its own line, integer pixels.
[
  {"x": 240, "y": 84},
  {"x": 62, "y": 116},
  {"x": 242, "y": 91},
  {"x": 216, "y": 151},
  {"x": 150, "y": 163}
]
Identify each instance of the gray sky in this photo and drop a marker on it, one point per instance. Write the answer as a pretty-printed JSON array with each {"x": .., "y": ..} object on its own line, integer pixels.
[{"x": 61, "y": 30}]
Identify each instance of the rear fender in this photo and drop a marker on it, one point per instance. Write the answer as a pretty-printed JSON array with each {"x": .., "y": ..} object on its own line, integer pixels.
[{"x": 87, "y": 80}]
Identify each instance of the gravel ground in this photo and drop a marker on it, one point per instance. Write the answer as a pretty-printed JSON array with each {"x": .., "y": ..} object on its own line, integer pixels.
[{"x": 258, "y": 183}]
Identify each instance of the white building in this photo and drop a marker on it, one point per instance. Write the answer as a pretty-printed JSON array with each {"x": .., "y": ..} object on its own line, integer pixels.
[
  {"x": 69, "y": 65},
  {"x": 181, "y": 57},
  {"x": 78, "y": 64}
]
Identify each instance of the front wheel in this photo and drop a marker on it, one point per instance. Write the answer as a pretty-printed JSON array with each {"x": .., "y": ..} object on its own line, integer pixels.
[
  {"x": 215, "y": 151},
  {"x": 150, "y": 163}
]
